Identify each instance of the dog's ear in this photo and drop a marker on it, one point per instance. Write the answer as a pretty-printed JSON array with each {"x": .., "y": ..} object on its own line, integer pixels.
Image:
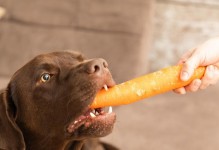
[{"x": 11, "y": 136}]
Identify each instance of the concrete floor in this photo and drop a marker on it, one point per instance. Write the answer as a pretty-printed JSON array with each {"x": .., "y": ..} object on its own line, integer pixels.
[{"x": 167, "y": 122}]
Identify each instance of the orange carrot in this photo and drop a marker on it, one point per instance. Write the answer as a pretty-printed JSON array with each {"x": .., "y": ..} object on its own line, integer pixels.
[{"x": 143, "y": 87}]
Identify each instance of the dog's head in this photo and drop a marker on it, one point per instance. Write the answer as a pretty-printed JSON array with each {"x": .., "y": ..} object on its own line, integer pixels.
[{"x": 49, "y": 98}]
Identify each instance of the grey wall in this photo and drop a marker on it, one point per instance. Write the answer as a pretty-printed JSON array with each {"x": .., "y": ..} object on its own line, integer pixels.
[
  {"x": 118, "y": 31},
  {"x": 181, "y": 25}
]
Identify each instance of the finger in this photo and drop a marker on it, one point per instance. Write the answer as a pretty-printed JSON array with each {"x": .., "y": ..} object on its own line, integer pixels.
[
  {"x": 208, "y": 77},
  {"x": 216, "y": 75},
  {"x": 194, "y": 85},
  {"x": 216, "y": 65},
  {"x": 180, "y": 90},
  {"x": 186, "y": 56},
  {"x": 189, "y": 66}
]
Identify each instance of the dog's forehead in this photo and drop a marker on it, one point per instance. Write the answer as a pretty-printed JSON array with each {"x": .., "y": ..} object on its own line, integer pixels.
[
  {"x": 54, "y": 60},
  {"x": 59, "y": 57}
]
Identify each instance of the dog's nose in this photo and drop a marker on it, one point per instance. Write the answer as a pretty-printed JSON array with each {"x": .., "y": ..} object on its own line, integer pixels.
[{"x": 96, "y": 66}]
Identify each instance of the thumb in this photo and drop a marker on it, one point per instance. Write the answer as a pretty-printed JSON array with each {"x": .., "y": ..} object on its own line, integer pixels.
[{"x": 188, "y": 68}]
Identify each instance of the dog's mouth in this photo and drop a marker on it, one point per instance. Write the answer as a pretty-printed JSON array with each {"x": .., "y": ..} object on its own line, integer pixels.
[
  {"x": 94, "y": 122},
  {"x": 96, "y": 118}
]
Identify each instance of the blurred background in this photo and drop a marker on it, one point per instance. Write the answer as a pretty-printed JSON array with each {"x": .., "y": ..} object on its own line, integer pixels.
[{"x": 135, "y": 37}]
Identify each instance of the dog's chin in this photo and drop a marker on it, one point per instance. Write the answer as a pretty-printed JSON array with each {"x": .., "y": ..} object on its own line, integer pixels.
[
  {"x": 93, "y": 123},
  {"x": 100, "y": 126}
]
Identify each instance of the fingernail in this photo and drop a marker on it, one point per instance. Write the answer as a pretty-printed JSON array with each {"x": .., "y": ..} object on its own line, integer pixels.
[{"x": 184, "y": 75}]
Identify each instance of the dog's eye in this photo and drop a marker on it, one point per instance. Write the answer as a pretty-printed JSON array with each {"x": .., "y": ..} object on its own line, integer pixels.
[{"x": 45, "y": 77}]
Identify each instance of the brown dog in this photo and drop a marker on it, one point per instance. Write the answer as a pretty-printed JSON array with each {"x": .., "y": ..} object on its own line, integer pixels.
[{"x": 46, "y": 104}]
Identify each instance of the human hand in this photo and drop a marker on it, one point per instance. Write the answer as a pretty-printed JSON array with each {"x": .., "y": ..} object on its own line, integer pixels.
[{"x": 207, "y": 54}]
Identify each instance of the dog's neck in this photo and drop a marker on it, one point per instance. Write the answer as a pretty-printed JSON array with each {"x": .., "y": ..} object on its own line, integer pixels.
[{"x": 50, "y": 143}]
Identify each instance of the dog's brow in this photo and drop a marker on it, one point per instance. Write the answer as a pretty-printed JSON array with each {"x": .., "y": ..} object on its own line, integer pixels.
[
  {"x": 47, "y": 66},
  {"x": 80, "y": 58}
]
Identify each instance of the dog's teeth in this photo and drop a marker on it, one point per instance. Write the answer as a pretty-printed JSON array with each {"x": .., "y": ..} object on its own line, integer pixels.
[
  {"x": 75, "y": 122},
  {"x": 105, "y": 87},
  {"x": 92, "y": 115},
  {"x": 96, "y": 113},
  {"x": 110, "y": 110}
]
